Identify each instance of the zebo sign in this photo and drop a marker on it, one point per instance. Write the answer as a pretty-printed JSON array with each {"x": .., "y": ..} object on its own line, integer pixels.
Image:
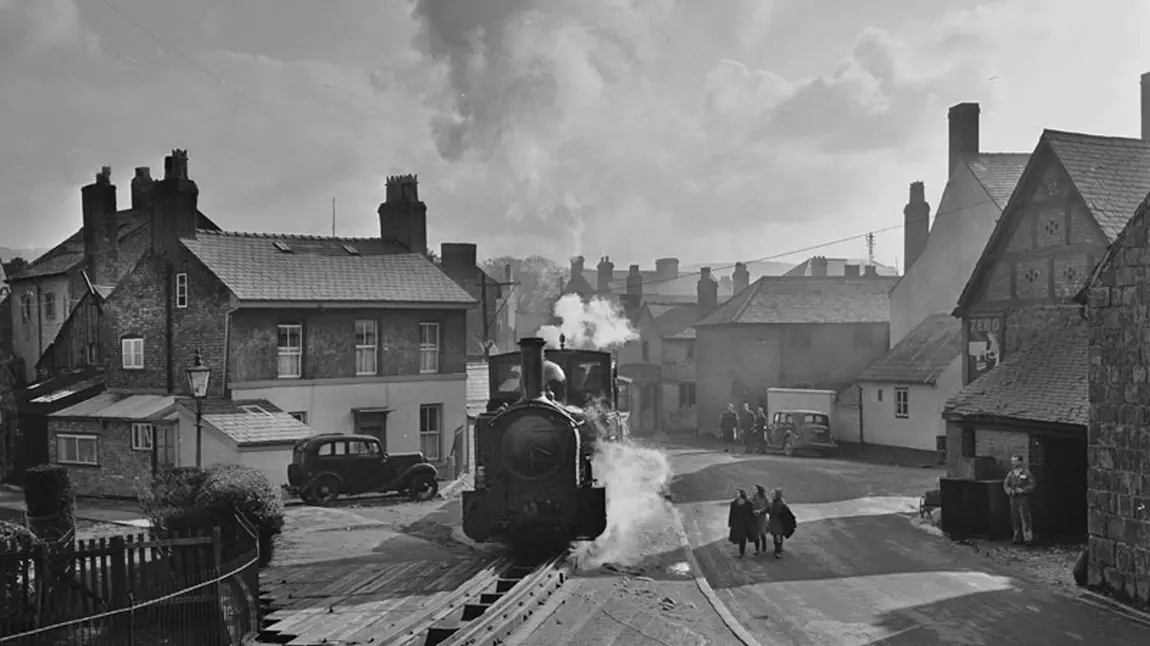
[{"x": 983, "y": 345}]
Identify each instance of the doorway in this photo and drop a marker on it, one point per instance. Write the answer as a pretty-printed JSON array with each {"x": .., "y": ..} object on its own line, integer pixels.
[
  {"x": 373, "y": 422},
  {"x": 1063, "y": 476}
]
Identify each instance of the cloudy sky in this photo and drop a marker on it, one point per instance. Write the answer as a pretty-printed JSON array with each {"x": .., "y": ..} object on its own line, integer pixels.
[{"x": 717, "y": 130}]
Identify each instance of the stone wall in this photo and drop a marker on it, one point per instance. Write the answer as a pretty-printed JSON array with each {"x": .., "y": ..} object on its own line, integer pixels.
[{"x": 1118, "y": 490}]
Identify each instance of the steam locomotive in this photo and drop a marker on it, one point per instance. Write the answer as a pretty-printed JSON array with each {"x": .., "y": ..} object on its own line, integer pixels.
[{"x": 547, "y": 411}]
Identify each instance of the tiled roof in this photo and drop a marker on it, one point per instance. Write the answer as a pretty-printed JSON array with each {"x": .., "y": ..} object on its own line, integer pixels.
[
  {"x": 998, "y": 173},
  {"x": 675, "y": 321},
  {"x": 1117, "y": 245},
  {"x": 1046, "y": 381},
  {"x": 1111, "y": 173},
  {"x": 321, "y": 269},
  {"x": 803, "y": 299},
  {"x": 261, "y": 423},
  {"x": 921, "y": 356}
]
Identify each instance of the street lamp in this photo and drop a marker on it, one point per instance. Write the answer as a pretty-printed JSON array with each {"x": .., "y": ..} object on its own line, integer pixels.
[{"x": 198, "y": 377}]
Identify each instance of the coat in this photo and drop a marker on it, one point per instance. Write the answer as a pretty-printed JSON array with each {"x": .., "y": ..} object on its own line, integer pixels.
[
  {"x": 1019, "y": 483},
  {"x": 761, "y": 505},
  {"x": 782, "y": 522},
  {"x": 741, "y": 520}
]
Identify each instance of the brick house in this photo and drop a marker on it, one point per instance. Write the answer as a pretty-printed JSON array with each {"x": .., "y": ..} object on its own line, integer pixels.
[
  {"x": 343, "y": 334},
  {"x": 789, "y": 331},
  {"x": 1074, "y": 197},
  {"x": 1119, "y": 473},
  {"x": 106, "y": 247},
  {"x": 662, "y": 360},
  {"x": 459, "y": 261}
]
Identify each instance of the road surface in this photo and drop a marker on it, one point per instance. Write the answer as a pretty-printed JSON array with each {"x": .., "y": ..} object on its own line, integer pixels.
[{"x": 858, "y": 571}]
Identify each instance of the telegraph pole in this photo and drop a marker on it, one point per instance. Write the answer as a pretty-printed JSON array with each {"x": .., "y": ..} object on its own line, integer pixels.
[{"x": 487, "y": 319}]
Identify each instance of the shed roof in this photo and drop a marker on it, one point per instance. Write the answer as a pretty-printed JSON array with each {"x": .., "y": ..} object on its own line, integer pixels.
[
  {"x": 252, "y": 421},
  {"x": 108, "y": 405},
  {"x": 921, "y": 356}
]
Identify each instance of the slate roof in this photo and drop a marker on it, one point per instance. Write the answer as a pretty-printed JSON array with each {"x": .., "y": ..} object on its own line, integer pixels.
[
  {"x": 921, "y": 356},
  {"x": 804, "y": 299},
  {"x": 675, "y": 321},
  {"x": 1046, "y": 381},
  {"x": 264, "y": 423},
  {"x": 1108, "y": 257},
  {"x": 70, "y": 253},
  {"x": 1111, "y": 173},
  {"x": 998, "y": 173},
  {"x": 320, "y": 269}
]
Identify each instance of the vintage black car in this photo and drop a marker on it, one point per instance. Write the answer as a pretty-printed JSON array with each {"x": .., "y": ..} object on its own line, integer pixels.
[
  {"x": 800, "y": 430},
  {"x": 326, "y": 466}
]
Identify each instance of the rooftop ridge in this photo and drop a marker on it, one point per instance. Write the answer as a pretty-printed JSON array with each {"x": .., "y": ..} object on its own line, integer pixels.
[
  {"x": 1051, "y": 131},
  {"x": 290, "y": 236}
]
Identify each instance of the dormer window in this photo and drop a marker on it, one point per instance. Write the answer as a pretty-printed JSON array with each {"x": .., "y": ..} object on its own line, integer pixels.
[{"x": 282, "y": 246}]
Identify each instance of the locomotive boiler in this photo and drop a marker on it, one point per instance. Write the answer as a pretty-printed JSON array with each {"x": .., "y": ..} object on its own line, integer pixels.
[{"x": 534, "y": 482}]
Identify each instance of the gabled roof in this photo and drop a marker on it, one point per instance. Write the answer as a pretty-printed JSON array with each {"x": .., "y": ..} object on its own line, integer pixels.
[
  {"x": 675, "y": 321},
  {"x": 272, "y": 267},
  {"x": 804, "y": 299},
  {"x": 69, "y": 254},
  {"x": 251, "y": 421},
  {"x": 1047, "y": 381},
  {"x": 921, "y": 356},
  {"x": 998, "y": 173},
  {"x": 1112, "y": 174}
]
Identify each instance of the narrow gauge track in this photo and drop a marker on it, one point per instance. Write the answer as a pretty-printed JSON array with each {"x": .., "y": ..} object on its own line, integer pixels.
[{"x": 483, "y": 611}]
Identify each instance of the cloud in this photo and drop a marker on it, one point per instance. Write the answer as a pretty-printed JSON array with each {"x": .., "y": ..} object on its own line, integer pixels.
[{"x": 35, "y": 27}]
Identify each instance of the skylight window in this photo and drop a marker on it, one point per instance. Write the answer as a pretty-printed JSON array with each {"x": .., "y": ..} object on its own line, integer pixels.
[
  {"x": 283, "y": 247},
  {"x": 255, "y": 410},
  {"x": 352, "y": 251}
]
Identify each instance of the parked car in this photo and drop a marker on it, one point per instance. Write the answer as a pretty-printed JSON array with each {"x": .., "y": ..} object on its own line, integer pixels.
[
  {"x": 797, "y": 430},
  {"x": 327, "y": 466}
]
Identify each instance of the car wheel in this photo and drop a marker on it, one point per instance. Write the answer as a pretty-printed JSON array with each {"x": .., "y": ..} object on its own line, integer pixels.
[
  {"x": 424, "y": 487},
  {"x": 325, "y": 491},
  {"x": 788, "y": 447}
]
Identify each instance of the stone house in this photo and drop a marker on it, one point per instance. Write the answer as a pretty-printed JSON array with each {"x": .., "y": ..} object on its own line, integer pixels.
[
  {"x": 903, "y": 393},
  {"x": 108, "y": 244},
  {"x": 1118, "y": 438},
  {"x": 939, "y": 255},
  {"x": 342, "y": 334},
  {"x": 1074, "y": 197},
  {"x": 789, "y": 331}
]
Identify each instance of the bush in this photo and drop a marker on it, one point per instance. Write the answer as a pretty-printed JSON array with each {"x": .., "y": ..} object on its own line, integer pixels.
[
  {"x": 190, "y": 498},
  {"x": 11, "y": 591},
  {"x": 49, "y": 499}
]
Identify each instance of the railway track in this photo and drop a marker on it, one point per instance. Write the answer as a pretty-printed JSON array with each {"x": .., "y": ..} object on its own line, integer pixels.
[{"x": 484, "y": 610}]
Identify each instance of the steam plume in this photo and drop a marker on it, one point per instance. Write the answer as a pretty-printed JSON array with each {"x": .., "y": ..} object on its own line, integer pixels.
[{"x": 596, "y": 325}]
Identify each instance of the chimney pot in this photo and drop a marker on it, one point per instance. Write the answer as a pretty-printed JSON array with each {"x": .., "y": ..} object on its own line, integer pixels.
[
  {"x": 818, "y": 266},
  {"x": 142, "y": 185},
  {"x": 741, "y": 278},
  {"x": 606, "y": 273},
  {"x": 963, "y": 133}
]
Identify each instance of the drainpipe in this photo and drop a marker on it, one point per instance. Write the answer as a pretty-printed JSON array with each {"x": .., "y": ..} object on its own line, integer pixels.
[
  {"x": 168, "y": 295},
  {"x": 227, "y": 352},
  {"x": 39, "y": 331},
  {"x": 862, "y": 442}
]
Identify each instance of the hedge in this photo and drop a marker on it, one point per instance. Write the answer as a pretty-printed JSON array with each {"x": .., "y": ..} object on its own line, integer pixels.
[
  {"x": 10, "y": 586},
  {"x": 190, "y": 497},
  {"x": 50, "y": 501}
]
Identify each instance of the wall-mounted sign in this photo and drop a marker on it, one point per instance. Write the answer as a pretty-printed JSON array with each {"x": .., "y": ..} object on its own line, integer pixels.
[{"x": 983, "y": 345}]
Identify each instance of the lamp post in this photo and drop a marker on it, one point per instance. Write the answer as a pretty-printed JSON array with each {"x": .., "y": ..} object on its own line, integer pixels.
[{"x": 198, "y": 377}]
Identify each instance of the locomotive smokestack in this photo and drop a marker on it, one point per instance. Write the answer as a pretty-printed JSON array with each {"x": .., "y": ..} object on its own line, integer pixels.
[{"x": 532, "y": 376}]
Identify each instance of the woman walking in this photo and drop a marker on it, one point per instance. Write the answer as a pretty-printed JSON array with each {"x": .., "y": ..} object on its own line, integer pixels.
[
  {"x": 741, "y": 521},
  {"x": 761, "y": 505},
  {"x": 782, "y": 523}
]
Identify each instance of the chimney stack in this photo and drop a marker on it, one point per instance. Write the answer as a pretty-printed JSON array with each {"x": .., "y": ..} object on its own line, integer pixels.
[
  {"x": 634, "y": 288},
  {"x": 667, "y": 268},
  {"x": 576, "y": 267},
  {"x": 871, "y": 271},
  {"x": 707, "y": 290},
  {"x": 916, "y": 225},
  {"x": 606, "y": 274},
  {"x": 175, "y": 214},
  {"x": 458, "y": 259},
  {"x": 818, "y": 266},
  {"x": 1145, "y": 107},
  {"x": 851, "y": 271},
  {"x": 402, "y": 217},
  {"x": 741, "y": 277},
  {"x": 101, "y": 228},
  {"x": 142, "y": 185},
  {"x": 963, "y": 139}
]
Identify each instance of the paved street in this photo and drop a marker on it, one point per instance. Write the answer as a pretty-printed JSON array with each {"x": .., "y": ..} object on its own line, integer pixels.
[{"x": 858, "y": 571}]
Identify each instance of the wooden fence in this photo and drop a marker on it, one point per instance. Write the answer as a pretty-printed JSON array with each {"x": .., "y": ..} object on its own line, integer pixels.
[{"x": 60, "y": 582}]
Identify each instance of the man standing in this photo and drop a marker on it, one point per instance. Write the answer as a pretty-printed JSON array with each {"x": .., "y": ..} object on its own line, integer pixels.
[
  {"x": 1019, "y": 485},
  {"x": 746, "y": 421},
  {"x": 727, "y": 424}
]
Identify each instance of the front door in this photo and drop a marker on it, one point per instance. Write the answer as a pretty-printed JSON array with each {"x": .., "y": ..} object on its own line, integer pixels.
[
  {"x": 373, "y": 423},
  {"x": 165, "y": 440}
]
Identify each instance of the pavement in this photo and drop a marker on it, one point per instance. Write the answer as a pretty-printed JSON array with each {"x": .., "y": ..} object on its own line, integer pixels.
[{"x": 859, "y": 570}]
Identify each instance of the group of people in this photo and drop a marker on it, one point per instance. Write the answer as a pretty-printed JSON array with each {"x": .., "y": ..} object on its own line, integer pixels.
[
  {"x": 752, "y": 519},
  {"x": 749, "y": 426}
]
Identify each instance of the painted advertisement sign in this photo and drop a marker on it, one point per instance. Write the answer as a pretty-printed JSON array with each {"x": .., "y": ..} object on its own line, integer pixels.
[{"x": 983, "y": 345}]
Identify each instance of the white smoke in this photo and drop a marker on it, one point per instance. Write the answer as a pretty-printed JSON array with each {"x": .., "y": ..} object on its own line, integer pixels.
[
  {"x": 636, "y": 479},
  {"x": 597, "y": 324}
]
